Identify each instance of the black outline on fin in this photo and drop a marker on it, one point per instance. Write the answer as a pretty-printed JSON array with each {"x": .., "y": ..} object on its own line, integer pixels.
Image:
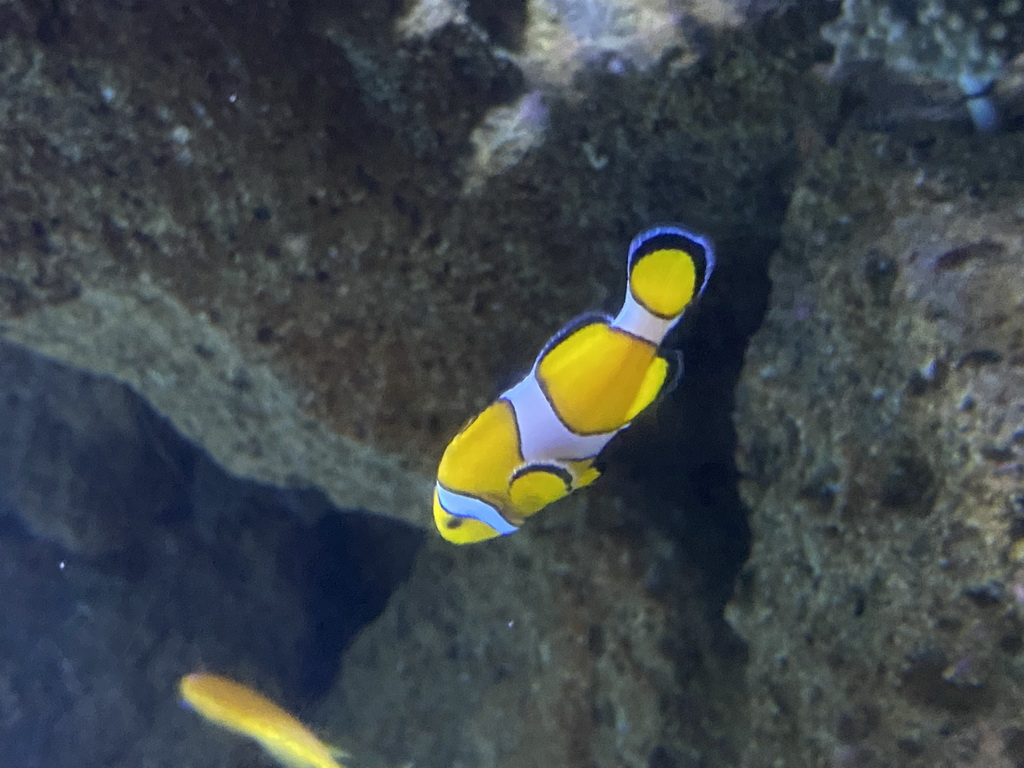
[
  {"x": 567, "y": 330},
  {"x": 560, "y": 472},
  {"x": 668, "y": 236}
]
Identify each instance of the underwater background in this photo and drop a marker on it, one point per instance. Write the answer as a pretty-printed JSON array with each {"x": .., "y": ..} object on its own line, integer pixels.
[{"x": 260, "y": 261}]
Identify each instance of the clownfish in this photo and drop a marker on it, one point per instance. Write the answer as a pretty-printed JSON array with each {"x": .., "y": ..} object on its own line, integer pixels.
[
  {"x": 539, "y": 440},
  {"x": 240, "y": 709}
]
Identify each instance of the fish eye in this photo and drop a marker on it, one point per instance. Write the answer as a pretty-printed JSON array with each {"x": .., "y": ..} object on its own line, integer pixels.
[{"x": 455, "y": 522}]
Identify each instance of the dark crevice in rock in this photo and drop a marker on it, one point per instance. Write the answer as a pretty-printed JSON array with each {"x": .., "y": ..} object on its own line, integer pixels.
[{"x": 128, "y": 558}]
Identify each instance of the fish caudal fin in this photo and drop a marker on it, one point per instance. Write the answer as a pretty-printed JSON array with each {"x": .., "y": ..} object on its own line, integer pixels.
[{"x": 668, "y": 268}]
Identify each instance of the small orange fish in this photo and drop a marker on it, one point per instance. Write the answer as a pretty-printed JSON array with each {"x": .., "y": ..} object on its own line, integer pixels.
[{"x": 240, "y": 709}]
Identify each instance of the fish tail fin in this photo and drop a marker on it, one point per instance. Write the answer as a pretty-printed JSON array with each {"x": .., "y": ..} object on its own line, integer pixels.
[
  {"x": 338, "y": 753},
  {"x": 669, "y": 267}
]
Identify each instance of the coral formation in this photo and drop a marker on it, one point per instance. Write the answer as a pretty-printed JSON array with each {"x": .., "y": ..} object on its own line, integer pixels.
[
  {"x": 963, "y": 44},
  {"x": 504, "y": 136}
]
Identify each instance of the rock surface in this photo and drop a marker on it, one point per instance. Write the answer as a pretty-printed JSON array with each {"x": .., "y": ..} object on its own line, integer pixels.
[
  {"x": 317, "y": 238},
  {"x": 880, "y": 418}
]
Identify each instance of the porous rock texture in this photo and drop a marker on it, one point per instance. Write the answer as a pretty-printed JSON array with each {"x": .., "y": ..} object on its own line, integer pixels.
[
  {"x": 254, "y": 216},
  {"x": 261, "y": 218},
  {"x": 880, "y": 421}
]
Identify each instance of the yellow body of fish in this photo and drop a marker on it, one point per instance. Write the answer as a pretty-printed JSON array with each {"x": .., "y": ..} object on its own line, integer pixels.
[
  {"x": 240, "y": 709},
  {"x": 539, "y": 441}
]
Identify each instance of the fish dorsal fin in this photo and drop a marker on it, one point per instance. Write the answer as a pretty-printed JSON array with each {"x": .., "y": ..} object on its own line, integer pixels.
[
  {"x": 567, "y": 330},
  {"x": 535, "y": 486},
  {"x": 661, "y": 376},
  {"x": 581, "y": 321},
  {"x": 674, "y": 358}
]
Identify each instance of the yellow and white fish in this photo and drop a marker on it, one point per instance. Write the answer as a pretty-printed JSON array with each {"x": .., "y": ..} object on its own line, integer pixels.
[
  {"x": 538, "y": 441},
  {"x": 240, "y": 709}
]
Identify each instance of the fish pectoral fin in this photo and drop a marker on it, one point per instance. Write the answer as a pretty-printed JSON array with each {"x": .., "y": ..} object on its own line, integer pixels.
[
  {"x": 585, "y": 473},
  {"x": 653, "y": 383},
  {"x": 535, "y": 486}
]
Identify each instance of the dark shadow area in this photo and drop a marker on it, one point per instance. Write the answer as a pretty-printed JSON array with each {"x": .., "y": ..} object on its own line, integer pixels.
[
  {"x": 353, "y": 564},
  {"x": 677, "y": 461},
  {"x": 503, "y": 21},
  {"x": 714, "y": 153},
  {"x": 128, "y": 558},
  {"x": 686, "y": 459}
]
